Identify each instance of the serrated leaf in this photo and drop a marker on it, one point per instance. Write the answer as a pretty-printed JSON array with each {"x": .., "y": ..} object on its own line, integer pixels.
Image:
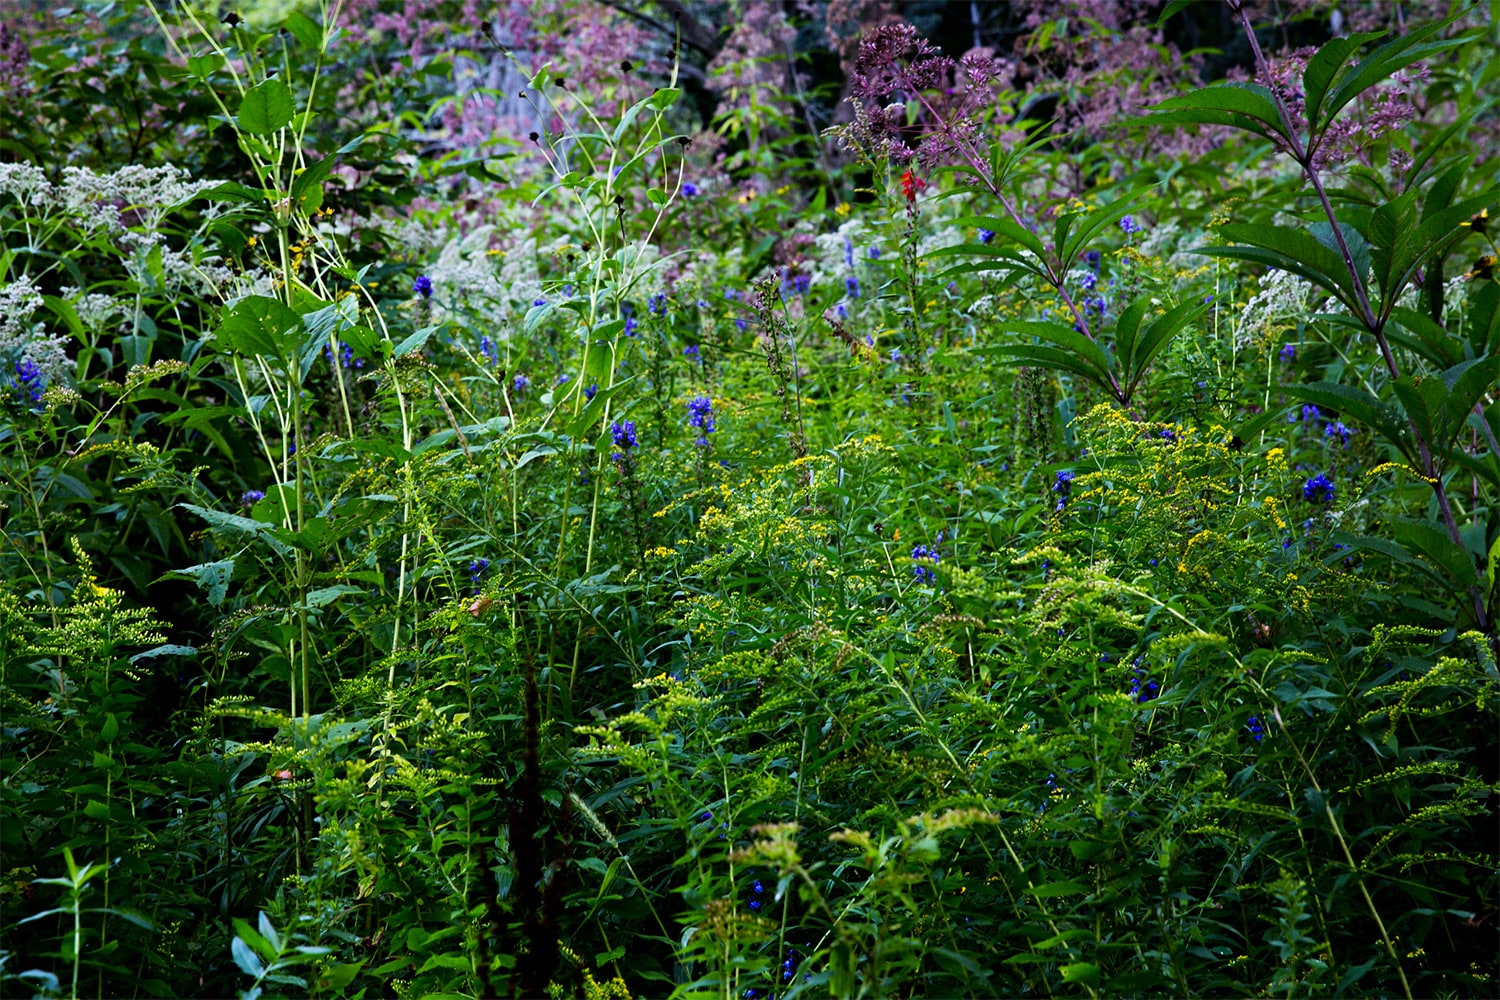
[
  {"x": 1433, "y": 542},
  {"x": 1324, "y": 67},
  {"x": 259, "y": 325}
]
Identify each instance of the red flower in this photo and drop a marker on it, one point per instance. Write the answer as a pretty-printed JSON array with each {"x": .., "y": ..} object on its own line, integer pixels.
[{"x": 911, "y": 184}]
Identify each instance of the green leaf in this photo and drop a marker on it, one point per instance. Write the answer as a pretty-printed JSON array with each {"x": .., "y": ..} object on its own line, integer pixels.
[
  {"x": 1081, "y": 972},
  {"x": 170, "y": 649},
  {"x": 327, "y": 595},
  {"x": 664, "y": 98},
  {"x": 1324, "y": 67},
  {"x": 1247, "y": 106},
  {"x": 204, "y": 67},
  {"x": 96, "y": 810},
  {"x": 1394, "y": 55},
  {"x": 305, "y": 30},
  {"x": 110, "y": 729},
  {"x": 1295, "y": 250},
  {"x": 245, "y": 958},
  {"x": 266, "y": 107},
  {"x": 1433, "y": 542},
  {"x": 307, "y": 186},
  {"x": 235, "y": 524},
  {"x": 262, "y": 326},
  {"x": 415, "y": 341},
  {"x": 1137, "y": 358}
]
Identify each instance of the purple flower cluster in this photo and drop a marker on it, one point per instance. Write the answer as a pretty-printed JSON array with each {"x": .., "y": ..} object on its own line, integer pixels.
[
  {"x": 701, "y": 416},
  {"x": 476, "y": 570},
  {"x": 422, "y": 286},
  {"x": 487, "y": 349},
  {"x": 1142, "y": 687},
  {"x": 520, "y": 383},
  {"x": 656, "y": 305},
  {"x": 623, "y": 436},
  {"x": 1256, "y": 728},
  {"x": 28, "y": 383},
  {"x": 1319, "y": 489},
  {"x": 926, "y": 557},
  {"x": 346, "y": 354},
  {"x": 1063, "y": 487},
  {"x": 251, "y": 497}
]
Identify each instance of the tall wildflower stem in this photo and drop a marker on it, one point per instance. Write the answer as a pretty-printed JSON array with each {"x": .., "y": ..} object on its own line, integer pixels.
[{"x": 1303, "y": 153}]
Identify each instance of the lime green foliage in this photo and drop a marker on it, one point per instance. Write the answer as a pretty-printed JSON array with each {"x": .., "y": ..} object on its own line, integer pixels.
[{"x": 602, "y": 567}]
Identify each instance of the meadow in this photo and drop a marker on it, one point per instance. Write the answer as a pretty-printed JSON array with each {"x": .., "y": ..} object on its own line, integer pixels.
[{"x": 845, "y": 498}]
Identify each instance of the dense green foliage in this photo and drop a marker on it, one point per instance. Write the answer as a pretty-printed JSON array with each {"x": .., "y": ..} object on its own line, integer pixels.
[{"x": 954, "y": 555}]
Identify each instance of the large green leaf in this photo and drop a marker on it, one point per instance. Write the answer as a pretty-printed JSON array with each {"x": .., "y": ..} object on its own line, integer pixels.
[
  {"x": 1293, "y": 250},
  {"x": 261, "y": 326},
  {"x": 1433, "y": 542},
  {"x": 1158, "y": 335},
  {"x": 266, "y": 107},
  {"x": 1246, "y": 106},
  {"x": 1324, "y": 67}
]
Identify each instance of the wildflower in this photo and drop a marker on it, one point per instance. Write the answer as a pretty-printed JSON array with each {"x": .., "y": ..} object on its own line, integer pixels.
[
  {"x": 487, "y": 349},
  {"x": 521, "y": 382},
  {"x": 1093, "y": 259},
  {"x": 701, "y": 416},
  {"x": 1288, "y": 352},
  {"x": 656, "y": 305},
  {"x": 925, "y": 558},
  {"x": 1063, "y": 487},
  {"x": 851, "y": 285},
  {"x": 1311, "y": 413},
  {"x": 1129, "y": 225},
  {"x": 1338, "y": 430},
  {"x": 848, "y": 251},
  {"x": 689, "y": 190},
  {"x": 691, "y": 352},
  {"x": 588, "y": 394},
  {"x": 1256, "y": 727},
  {"x": 623, "y": 435},
  {"x": 873, "y": 253},
  {"x": 422, "y": 286},
  {"x": 631, "y": 326},
  {"x": 1142, "y": 687},
  {"x": 985, "y": 235},
  {"x": 910, "y": 185},
  {"x": 28, "y": 382},
  {"x": 538, "y": 301},
  {"x": 742, "y": 324},
  {"x": 563, "y": 378},
  {"x": 251, "y": 496},
  {"x": 1483, "y": 269},
  {"x": 476, "y": 570},
  {"x": 1318, "y": 489},
  {"x": 841, "y": 311},
  {"x": 1089, "y": 281}
]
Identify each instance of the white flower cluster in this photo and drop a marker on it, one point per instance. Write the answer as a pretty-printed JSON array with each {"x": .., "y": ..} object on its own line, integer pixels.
[
  {"x": 98, "y": 199},
  {"x": 468, "y": 285},
  {"x": 1279, "y": 304},
  {"x": 23, "y": 340}
]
